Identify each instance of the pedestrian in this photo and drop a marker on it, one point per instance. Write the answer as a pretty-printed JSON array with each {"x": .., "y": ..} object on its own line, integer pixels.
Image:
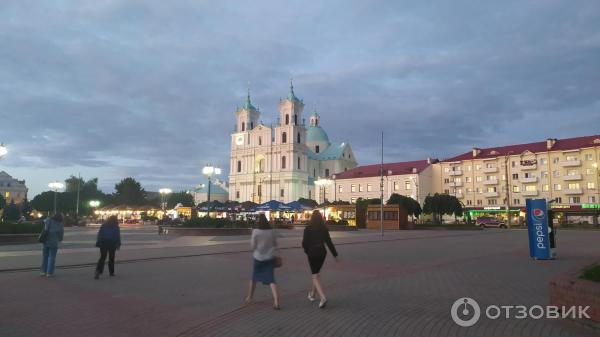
[
  {"x": 316, "y": 236},
  {"x": 264, "y": 243},
  {"x": 54, "y": 233},
  {"x": 109, "y": 240}
]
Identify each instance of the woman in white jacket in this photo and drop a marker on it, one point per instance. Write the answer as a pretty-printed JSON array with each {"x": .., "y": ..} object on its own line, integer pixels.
[{"x": 263, "y": 242}]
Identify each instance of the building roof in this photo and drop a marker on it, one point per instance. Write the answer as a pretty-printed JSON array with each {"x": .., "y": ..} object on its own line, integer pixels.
[
  {"x": 537, "y": 147},
  {"x": 316, "y": 134},
  {"x": 333, "y": 152},
  {"x": 400, "y": 168}
]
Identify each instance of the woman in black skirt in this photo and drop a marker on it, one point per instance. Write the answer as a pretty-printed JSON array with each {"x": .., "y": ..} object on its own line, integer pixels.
[{"x": 316, "y": 236}]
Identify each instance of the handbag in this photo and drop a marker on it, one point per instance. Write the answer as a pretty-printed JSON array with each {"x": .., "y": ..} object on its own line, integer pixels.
[
  {"x": 43, "y": 236},
  {"x": 278, "y": 261}
]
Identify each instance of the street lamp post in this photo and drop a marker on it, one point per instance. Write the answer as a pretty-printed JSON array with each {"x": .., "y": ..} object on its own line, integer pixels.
[
  {"x": 55, "y": 186},
  {"x": 209, "y": 171},
  {"x": 323, "y": 183},
  {"x": 595, "y": 165},
  {"x": 94, "y": 204},
  {"x": 164, "y": 192}
]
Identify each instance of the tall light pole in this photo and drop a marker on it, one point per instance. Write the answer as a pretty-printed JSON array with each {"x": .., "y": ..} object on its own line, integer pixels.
[
  {"x": 3, "y": 150},
  {"x": 323, "y": 182},
  {"x": 164, "y": 192},
  {"x": 595, "y": 165},
  {"x": 507, "y": 184},
  {"x": 94, "y": 204},
  {"x": 209, "y": 171},
  {"x": 56, "y": 186}
]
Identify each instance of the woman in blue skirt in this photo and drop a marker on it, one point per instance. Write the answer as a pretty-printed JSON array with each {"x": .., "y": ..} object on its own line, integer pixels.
[{"x": 263, "y": 242}]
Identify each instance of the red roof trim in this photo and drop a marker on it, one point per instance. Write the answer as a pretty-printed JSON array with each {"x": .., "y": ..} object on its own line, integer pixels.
[{"x": 395, "y": 168}]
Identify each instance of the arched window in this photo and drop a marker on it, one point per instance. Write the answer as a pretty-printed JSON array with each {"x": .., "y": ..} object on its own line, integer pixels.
[
  {"x": 327, "y": 172},
  {"x": 317, "y": 148},
  {"x": 295, "y": 119},
  {"x": 283, "y": 162},
  {"x": 298, "y": 138},
  {"x": 251, "y": 125},
  {"x": 299, "y": 164},
  {"x": 243, "y": 126},
  {"x": 284, "y": 137},
  {"x": 287, "y": 119},
  {"x": 239, "y": 166},
  {"x": 259, "y": 140}
]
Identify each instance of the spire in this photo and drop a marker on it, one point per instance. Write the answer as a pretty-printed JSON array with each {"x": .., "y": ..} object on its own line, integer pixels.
[
  {"x": 248, "y": 105},
  {"x": 291, "y": 95}
]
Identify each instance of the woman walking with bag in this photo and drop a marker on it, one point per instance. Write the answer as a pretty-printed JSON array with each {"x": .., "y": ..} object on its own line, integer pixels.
[
  {"x": 264, "y": 242},
  {"x": 316, "y": 236},
  {"x": 51, "y": 236},
  {"x": 109, "y": 240}
]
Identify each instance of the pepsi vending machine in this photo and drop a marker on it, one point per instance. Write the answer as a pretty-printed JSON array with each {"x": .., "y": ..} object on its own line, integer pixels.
[{"x": 542, "y": 241}]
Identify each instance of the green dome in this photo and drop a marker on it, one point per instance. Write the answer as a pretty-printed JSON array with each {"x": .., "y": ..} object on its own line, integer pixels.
[{"x": 316, "y": 134}]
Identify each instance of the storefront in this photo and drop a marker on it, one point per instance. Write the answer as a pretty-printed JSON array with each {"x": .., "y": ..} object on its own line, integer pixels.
[
  {"x": 584, "y": 214},
  {"x": 517, "y": 214}
]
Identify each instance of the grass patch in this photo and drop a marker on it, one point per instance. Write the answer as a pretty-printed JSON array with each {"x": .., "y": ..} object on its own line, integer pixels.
[
  {"x": 592, "y": 273},
  {"x": 21, "y": 228}
]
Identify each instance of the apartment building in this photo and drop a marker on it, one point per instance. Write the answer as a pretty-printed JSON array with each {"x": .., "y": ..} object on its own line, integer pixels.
[
  {"x": 411, "y": 178},
  {"x": 487, "y": 180},
  {"x": 12, "y": 189}
]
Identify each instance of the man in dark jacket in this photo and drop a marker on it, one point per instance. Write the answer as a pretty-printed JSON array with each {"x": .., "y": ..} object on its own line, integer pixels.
[{"x": 109, "y": 240}]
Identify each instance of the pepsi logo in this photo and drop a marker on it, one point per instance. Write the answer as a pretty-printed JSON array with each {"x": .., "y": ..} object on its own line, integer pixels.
[{"x": 538, "y": 213}]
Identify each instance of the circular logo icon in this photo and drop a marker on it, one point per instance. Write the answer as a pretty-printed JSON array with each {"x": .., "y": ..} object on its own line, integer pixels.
[
  {"x": 538, "y": 213},
  {"x": 465, "y": 312}
]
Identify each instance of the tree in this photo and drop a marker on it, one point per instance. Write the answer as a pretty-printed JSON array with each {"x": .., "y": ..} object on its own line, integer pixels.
[
  {"x": 412, "y": 207},
  {"x": 43, "y": 202},
  {"x": 440, "y": 204},
  {"x": 183, "y": 198},
  {"x": 73, "y": 183},
  {"x": 26, "y": 207},
  {"x": 362, "y": 206},
  {"x": 130, "y": 192},
  {"x": 2, "y": 202},
  {"x": 308, "y": 202},
  {"x": 11, "y": 213}
]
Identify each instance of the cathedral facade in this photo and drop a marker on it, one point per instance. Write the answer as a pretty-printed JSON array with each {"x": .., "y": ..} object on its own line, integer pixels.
[{"x": 282, "y": 161}]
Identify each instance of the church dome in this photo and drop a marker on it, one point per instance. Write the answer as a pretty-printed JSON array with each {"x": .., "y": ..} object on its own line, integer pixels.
[{"x": 316, "y": 134}]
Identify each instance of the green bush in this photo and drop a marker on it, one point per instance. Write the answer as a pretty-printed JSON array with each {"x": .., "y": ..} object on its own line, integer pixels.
[
  {"x": 21, "y": 228},
  {"x": 592, "y": 273},
  {"x": 206, "y": 222}
]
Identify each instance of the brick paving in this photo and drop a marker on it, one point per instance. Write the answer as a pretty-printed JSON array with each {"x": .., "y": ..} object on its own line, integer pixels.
[{"x": 400, "y": 287}]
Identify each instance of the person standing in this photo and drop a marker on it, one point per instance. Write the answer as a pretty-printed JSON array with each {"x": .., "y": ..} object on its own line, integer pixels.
[
  {"x": 316, "y": 236},
  {"x": 109, "y": 240},
  {"x": 263, "y": 243},
  {"x": 55, "y": 233}
]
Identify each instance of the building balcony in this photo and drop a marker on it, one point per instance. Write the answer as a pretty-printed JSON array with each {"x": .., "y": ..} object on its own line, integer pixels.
[
  {"x": 490, "y": 182},
  {"x": 455, "y": 184},
  {"x": 572, "y": 191},
  {"x": 455, "y": 173},
  {"x": 571, "y": 177},
  {"x": 490, "y": 169},
  {"x": 528, "y": 167},
  {"x": 459, "y": 195},
  {"x": 491, "y": 194},
  {"x": 530, "y": 193},
  {"x": 571, "y": 163},
  {"x": 528, "y": 180}
]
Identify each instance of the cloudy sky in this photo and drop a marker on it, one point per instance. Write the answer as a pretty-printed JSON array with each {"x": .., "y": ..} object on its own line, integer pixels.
[{"x": 148, "y": 89}]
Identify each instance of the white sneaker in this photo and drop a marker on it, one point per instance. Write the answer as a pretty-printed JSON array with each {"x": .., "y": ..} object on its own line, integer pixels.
[
  {"x": 311, "y": 296},
  {"x": 323, "y": 303}
]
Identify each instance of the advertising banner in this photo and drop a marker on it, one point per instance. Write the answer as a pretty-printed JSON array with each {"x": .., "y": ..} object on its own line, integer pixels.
[{"x": 537, "y": 226}]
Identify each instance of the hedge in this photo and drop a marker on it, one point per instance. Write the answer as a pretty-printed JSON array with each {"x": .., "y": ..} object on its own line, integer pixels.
[{"x": 21, "y": 228}]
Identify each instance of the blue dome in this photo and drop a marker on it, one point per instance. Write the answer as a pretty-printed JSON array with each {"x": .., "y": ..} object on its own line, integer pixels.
[{"x": 316, "y": 134}]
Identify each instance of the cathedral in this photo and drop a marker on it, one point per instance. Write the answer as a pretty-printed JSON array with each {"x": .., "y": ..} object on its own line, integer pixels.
[{"x": 281, "y": 162}]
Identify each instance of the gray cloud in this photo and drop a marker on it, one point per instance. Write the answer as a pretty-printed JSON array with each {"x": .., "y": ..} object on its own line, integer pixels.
[{"x": 149, "y": 88}]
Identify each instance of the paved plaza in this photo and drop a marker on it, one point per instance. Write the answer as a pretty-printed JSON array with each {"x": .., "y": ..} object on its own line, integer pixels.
[{"x": 401, "y": 286}]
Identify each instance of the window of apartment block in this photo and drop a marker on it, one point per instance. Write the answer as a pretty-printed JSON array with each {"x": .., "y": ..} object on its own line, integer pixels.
[
  {"x": 529, "y": 175},
  {"x": 545, "y": 187},
  {"x": 503, "y": 188},
  {"x": 574, "y": 200},
  {"x": 491, "y": 189},
  {"x": 477, "y": 167},
  {"x": 446, "y": 191},
  {"x": 353, "y": 188},
  {"x": 571, "y": 158},
  {"x": 555, "y": 160},
  {"x": 591, "y": 186},
  {"x": 543, "y": 161},
  {"x": 557, "y": 187},
  {"x": 492, "y": 202},
  {"x": 477, "y": 190},
  {"x": 408, "y": 187},
  {"x": 513, "y": 163},
  {"x": 516, "y": 189},
  {"x": 396, "y": 185},
  {"x": 531, "y": 188},
  {"x": 491, "y": 178},
  {"x": 516, "y": 201},
  {"x": 456, "y": 168},
  {"x": 340, "y": 189},
  {"x": 589, "y": 156},
  {"x": 468, "y": 168},
  {"x": 572, "y": 172},
  {"x": 573, "y": 186},
  {"x": 469, "y": 202},
  {"x": 558, "y": 199},
  {"x": 353, "y": 200},
  {"x": 515, "y": 176},
  {"x": 556, "y": 174},
  {"x": 469, "y": 190},
  {"x": 490, "y": 165},
  {"x": 544, "y": 174},
  {"x": 446, "y": 180},
  {"x": 446, "y": 169},
  {"x": 468, "y": 179},
  {"x": 479, "y": 202},
  {"x": 503, "y": 177},
  {"x": 479, "y": 179},
  {"x": 589, "y": 171},
  {"x": 592, "y": 199},
  {"x": 369, "y": 188},
  {"x": 360, "y": 188}
]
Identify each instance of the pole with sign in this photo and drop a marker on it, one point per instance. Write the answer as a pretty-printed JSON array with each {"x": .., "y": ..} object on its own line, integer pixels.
[{"x": 540, "y": 229}]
